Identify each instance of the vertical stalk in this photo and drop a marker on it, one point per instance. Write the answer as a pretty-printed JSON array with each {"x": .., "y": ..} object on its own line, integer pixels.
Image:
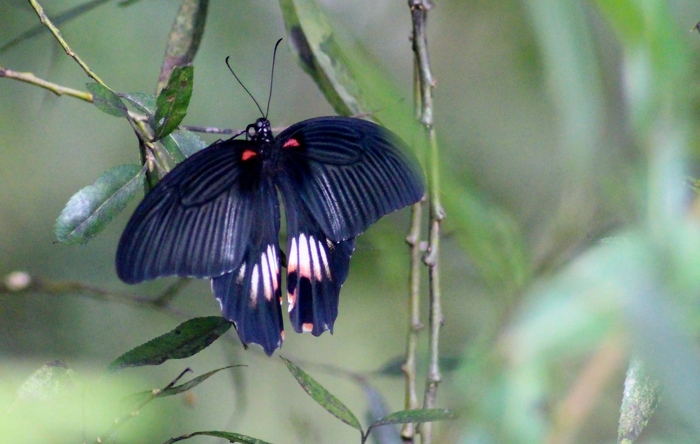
[
  {"x": 408, "y": 430},
  {"x": 419, "y": 15}
]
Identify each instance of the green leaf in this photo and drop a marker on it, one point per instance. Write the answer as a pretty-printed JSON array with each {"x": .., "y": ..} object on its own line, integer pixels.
[
  {"x": 185, "y": 37},
  {"x": 415, "y": 416},
  {"x": 90, "y": 210},
  {"x": 231, "y": 437},
  {"x": 639, "y": 400},
  {"x": 187, "y": 339},
  {"x": 192, "y": 383},
  {"x": 142, "y": 398},
  {"x": 179, "y": 144},
  {"x": 172, "y": 102},
  {"x": 352, "y": 81},
  {"x": 145, "y": 103},
  {"x": 187, "y": 142},
  {"x": 323, "y": 396},
  {"x": 106, "y": 100}
]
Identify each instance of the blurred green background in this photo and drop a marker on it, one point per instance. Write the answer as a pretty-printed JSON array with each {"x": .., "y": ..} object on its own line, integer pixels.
[{"x": 567, "y": 131}]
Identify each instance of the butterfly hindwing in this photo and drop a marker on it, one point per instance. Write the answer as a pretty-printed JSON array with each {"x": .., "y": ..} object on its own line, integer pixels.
[
  {"x": 349, "y": 172},
  {"x": 194, "y": 220},
  {"x": 316, "y": 267},
  {"x": 250, "y": 295}
]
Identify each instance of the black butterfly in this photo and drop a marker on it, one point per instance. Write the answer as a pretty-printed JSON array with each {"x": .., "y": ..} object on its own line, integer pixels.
[{"x": 216, "y": 215}]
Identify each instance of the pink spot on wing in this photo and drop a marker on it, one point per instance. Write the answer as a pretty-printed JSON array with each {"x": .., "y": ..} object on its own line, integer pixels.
[
  {"x": 248, "y": 154},
  {"x": 291, "y": 143},
  {"x": 307, "y": 327}
]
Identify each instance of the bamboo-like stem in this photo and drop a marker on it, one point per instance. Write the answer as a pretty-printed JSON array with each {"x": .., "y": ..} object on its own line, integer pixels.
[
  {"x": 414, "y": 324},
  {"x": 59, "y": 90},
  {"x": 59, "y": 37},
  {"x": 419, "y": 15}
]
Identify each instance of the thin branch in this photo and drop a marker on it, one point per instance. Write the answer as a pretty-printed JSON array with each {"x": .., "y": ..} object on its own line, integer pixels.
[
  {"x": 20, "y": 283},
  {"x": 59, "y": 90},
  {"x": 210, "y": 129},
  {"x": 57, "y": 34},
  {"x": 169, "y": 293},
  {"x": 408, "y": 430},
  {"x": 419, "y": 15}
]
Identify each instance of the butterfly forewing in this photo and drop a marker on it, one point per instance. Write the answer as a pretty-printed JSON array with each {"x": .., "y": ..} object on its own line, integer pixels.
[
  {"x": 195, "y": 219},
  {"x": 349, "y": 172}
]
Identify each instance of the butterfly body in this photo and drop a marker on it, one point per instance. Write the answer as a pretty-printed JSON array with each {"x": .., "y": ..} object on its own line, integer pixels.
[{"x": 216, "y": 215}]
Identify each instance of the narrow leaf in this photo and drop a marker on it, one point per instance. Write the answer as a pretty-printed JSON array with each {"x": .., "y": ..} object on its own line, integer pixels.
[
  {"x": 416, "y": 416},
  {"x": 323, "y": 396},
  {"x": 90, "y": 210},
  {"x": 172, "y": 102},
  {"x": 192, "y": 383},
  {"x": 185, "y": 37},
  {"x": 353, "y": 81},
  {"x": 106, "y": 100},
  {"x": 231, "y": 437},
  {"x": 187, "y": 339},
  {"x": 311, "y": 38},
  {"x": 145, "y": 103},
  {"x": 378, "y": 408},
  {"x": 639, "y": 400},
  {"x": 187, "y": 142}
]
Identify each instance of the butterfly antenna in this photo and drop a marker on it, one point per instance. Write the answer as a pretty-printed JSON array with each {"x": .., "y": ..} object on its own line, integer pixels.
[
  {"x": 246, "y": 89},
  {"x": 272, "y": 75}
]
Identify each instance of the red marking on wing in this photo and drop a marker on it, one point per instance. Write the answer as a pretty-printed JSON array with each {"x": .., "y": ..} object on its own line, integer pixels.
[
  {"x": 248, "y": 154},
  {"x": 291, "y": 143},
  {"x": 307, "y": 327}
]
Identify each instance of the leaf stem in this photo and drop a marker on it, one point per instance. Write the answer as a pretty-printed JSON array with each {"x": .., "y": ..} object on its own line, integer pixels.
[{"x": 59, "y": 37}]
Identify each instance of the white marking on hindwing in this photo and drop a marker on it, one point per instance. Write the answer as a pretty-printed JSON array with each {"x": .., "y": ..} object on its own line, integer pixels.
[
  {"x": 266, "y": 278},
  {"x": 324, "y": 261},
  {"x": 274, "y": 266},
  {"x": 254, "y": 283},
  {"x": 293, "y": 259},
  {"x": 304, "y": 257},
  {"x": 241, "y": 274},
  {"x": 314, "y": 246}
]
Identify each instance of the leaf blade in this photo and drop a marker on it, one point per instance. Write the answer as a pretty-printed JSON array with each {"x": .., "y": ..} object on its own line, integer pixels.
[
  {"x": 192, "y": 383},
  {"x": 415, "y": 416},
  {"x": 106, "y": 100},
  {"x": 322, "y": 396},
  {"x": 172, "y": 102},
  {"x": 231, "y": 437},
  {"x": 185, "y": 340},
  {"x": 90, "y": 210}
]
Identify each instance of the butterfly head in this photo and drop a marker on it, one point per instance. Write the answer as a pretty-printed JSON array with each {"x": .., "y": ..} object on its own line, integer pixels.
[{"x": 260, "y": 131}]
